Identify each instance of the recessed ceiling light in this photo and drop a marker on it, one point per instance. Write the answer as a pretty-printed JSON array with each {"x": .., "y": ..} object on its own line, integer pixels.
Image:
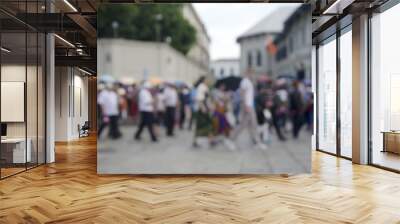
[
  {"x": 64, "y": 40},
  {"x": 5, "y": 50},
  {"x": 84, "y": 71},
  {"x": 337, "y": 7},
  {"x": 70, "y": 5}
]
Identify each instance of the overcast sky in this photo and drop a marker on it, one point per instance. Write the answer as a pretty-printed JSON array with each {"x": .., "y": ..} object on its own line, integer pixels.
[{"x": 226, "y": 21}]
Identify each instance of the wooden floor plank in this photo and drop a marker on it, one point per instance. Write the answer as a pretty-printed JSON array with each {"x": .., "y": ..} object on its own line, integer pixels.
[{"x": 70, "y": 191}]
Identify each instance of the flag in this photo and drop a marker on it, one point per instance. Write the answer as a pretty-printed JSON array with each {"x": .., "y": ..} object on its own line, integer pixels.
[{"x": 270, "y": 46}]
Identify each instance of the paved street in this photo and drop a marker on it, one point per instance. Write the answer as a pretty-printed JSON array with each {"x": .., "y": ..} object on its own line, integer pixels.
[{"x": 177, "y": 156}]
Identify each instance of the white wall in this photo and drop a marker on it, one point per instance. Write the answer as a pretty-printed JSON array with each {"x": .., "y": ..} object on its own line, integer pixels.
[
  {"x": 139, "y": 60},
  {"x": 199, "y": 52},
  {"x": 71, "y": 102},
  {"x": 230, "y": 67}
]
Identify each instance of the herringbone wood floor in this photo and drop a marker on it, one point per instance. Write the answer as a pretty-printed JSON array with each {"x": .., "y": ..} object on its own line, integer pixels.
[{"x": 70, "y": 191}]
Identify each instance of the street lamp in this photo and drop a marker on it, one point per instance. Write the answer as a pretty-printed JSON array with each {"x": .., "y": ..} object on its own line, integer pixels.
[
  {"x": 115, "y": 26},
  {"x": 159, "y": 18},
  {"x": 168, "y": 40}
]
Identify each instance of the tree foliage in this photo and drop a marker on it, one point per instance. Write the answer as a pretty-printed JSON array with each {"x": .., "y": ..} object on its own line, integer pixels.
[{"x": 139, "y": 22}]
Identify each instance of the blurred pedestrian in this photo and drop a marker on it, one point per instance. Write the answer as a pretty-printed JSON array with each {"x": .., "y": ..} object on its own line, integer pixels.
[
  {"x": 160, "y": 106},
  {"x": 296, "y": 109},
  {"x": 203, "y": 120},
  {"x": 171, "y": 102},
  {"x": 221, "y": 124},
  {"x": 236, "y": 105},
  {"x": 261, "y": 112},
  {"x": 278, "y": 112},
  {"x": 123, "y": 103},
  {"x": 248, "y": 118},
  {"x": 184, "y": 105},
  {"x": 282, "y": 95},
  {"x": 309, "y": 109},
  {"x": 108, "y": 101},
  {"x": 146, "y": 109}
]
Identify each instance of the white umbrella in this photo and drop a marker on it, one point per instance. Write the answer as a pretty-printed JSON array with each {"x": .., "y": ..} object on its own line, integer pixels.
[
  {"x": 126, "y": 80},
  {"x": 106, "y": 78}
]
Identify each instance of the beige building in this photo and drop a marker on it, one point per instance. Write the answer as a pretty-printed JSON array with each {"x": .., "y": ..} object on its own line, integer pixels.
[
  {"x": 127, "y": 59},
  {"x": 139, "y": 60},
  {"x": 200, "y": 51}
]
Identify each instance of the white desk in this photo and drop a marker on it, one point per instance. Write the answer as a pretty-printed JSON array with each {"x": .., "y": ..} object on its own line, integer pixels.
[{"x": 19, "y": 155}]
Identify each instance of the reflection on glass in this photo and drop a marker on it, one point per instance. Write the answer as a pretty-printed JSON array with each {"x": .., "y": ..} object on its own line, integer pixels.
[
  {"x": 14, "y": 153},
  {"x": 385, "y": 89},
  {"x": 346, "y": 94},
  {"x": 31, "y": 97},
  {"x": 327, "y": 97},
  {"x": 41, "y": 99}
]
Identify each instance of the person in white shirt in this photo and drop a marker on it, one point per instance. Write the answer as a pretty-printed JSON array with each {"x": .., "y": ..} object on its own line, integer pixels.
[
  {"x": 160, "y": 106},
  {"x": 108, "y": 101},
  {"x": 171, "y": 102},
  {"x": 146, "y": 109},
  {"x": 248, "y": 119}
]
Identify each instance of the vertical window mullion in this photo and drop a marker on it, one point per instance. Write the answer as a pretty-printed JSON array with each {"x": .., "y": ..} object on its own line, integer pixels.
[{"x": 338, "y": 80}]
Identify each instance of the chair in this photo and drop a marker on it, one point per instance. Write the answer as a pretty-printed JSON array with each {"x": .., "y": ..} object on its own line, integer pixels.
[{"x": 84, "y": 130}]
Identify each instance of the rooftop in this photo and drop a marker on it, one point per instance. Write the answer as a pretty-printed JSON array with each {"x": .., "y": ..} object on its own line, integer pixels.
[{"x": 273, "y": 23}]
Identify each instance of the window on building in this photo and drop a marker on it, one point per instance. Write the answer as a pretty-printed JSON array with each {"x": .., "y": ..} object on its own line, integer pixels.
[
  {"x": 221, "y": 72},
  {"x": 249, "y": 59},
  {"x": 108, "y": 57},
  {"x": 290, "y": 45},
  {"x": 232, "y": 72},
  {"x": 259, "y": 58}
]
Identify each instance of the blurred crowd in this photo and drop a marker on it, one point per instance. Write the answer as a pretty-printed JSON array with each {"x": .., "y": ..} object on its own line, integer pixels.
[{"x": 219, "y": 111}]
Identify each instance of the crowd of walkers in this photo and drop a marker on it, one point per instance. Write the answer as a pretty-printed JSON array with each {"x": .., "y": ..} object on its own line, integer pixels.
[{"x": 218, "y": 112}]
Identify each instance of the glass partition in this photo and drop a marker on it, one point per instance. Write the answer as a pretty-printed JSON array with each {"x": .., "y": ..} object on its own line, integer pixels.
[
  {"x": 22, "y": 78},
  {"x": 41, "y": 96},
  {"x": 31, "y": 97},
  {"x": 14, "y": 151},
  {"x": 346, "y": 93},
  {"x": 385, "y": 89},
  {"x": 327, "y": 96}
]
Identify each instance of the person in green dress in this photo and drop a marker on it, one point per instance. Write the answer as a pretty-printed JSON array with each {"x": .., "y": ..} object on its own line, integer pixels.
[{"x": 202, "y": 115}]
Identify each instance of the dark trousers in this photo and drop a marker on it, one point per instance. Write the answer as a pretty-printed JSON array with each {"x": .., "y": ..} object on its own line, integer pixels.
[
  {"x": 297, "y": 121},
  {"x": 182, "y": 117},
  {"x": 146, "y": 120},
  {"x": 114, "y": 131},
  {"x": 277, "y": 125},
  {"x": 170, "y": 120}
]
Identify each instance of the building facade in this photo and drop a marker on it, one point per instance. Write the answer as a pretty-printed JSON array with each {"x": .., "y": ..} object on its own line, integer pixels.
[
  {"x": 146, "y": 60},
  {"x": 253, "y": 43},
  {"x": 223, "y": 68},
  {"x": 293, "y": 46},
  {"x": 199, "y": 53}
]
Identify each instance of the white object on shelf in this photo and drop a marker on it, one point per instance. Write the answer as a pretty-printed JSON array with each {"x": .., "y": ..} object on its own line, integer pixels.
[
  {"x": 12, "y": 101},
  {"x": 19, "y": 155}
]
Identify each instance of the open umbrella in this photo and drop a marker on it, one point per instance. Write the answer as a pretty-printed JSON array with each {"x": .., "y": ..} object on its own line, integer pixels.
[
  {"x": 231, "y": 83},
  {"x": 106, "y": 79},
  {"x": 155, "y": 81},
  {"x": 126, "y": 80}
]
